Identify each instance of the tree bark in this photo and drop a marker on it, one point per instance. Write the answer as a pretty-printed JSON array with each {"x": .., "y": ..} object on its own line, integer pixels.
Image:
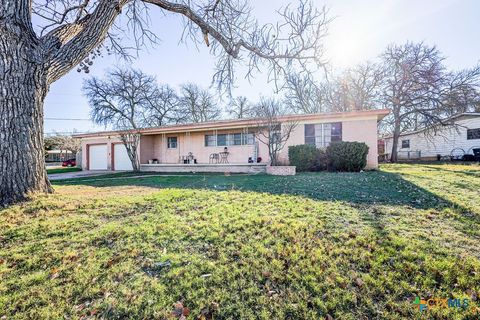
[
  {"x": 23, "y": 88},
  {"x": 131, "y": 141},
  {"x": 396, "y": 137}
]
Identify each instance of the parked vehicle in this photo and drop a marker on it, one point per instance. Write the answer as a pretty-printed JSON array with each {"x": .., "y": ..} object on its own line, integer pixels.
[{"x": 69, "y": 163}]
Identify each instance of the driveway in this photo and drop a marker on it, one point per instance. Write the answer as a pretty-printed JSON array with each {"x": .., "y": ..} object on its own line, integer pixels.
[{"x": 77, "y": 174}]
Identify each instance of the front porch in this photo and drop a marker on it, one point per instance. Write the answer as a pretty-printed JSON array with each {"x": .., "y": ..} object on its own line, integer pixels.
[
  {"x": 252, "y": 168},
  {"x": 229, "y": 150}
]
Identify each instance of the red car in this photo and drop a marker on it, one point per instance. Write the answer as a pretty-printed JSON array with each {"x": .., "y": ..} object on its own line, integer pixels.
[{"x": 69, "y": 163}]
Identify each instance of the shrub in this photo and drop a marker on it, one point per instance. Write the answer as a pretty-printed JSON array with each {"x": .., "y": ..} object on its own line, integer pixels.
[
  {"x": 307, "y": 158},
  {"x": 347, "y": 156},
  {"x": 339, "y": 156},
  {"x": 303, "y": 157},
  {"x": 321, "y": 160}
]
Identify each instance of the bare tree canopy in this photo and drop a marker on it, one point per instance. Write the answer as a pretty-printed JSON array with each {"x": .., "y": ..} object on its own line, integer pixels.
[
  {"x": 271, "y": 130},
  {"x": 197, "y": 104},
  {"x": 120, "y": 100},
  {"x": 80, "y": 30},
  {"x": 305, "y": 95},
  {"x": 71, "y": 33},
  {"x": 164, "y": 108},
  {"x": 356, "y": 88},
  {"x": 128, "y": 100},
  {"x": 240, "y": 108}
]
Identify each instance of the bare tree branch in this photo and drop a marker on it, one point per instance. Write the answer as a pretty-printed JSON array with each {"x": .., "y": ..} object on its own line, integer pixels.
[
  {"x": 240, "y": 108},
  {"x": 76, "y": 27},
  {"x": 270, "y": 129},
  {"x": 90, "y": 33},
  {"x": 197, "y": 104}
]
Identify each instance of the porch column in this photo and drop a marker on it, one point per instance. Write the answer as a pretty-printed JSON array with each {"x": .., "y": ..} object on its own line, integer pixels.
[{"x": 163, "y": 148}]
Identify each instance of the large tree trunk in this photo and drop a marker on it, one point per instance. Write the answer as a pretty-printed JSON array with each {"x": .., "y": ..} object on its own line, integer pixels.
[
  {"x": 131, "y": 141},
  {"x": 23, "y": 87},
  {"x": 396, "y": 137}
]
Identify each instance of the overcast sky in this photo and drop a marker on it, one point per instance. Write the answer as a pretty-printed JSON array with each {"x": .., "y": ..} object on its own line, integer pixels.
[{"x": 359, "y": 32}]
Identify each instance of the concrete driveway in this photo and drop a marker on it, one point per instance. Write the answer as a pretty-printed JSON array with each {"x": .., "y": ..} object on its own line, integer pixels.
[{"x": 77, "y": 174}]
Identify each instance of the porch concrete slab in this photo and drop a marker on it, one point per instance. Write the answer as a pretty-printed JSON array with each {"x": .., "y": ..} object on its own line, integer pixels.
[{"x": 200, "y": 168}]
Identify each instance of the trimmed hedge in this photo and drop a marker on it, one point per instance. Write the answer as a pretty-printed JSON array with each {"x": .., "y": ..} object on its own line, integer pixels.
[
  {"x": 347, "y": 156},
  {"x": 339, "y": 156}
]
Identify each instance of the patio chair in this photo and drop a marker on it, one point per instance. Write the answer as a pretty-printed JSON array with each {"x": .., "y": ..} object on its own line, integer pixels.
[
  {"x": 213, "y": 158},
  {"x": 224, "y": 157}
]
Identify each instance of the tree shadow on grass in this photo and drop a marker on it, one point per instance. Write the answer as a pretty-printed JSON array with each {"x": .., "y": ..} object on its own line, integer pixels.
[
  {"x": 474, "y": 172},
  {"x": 376, "y": 187},
  {"x": 356, "y": 189},
  {"x": 364, "y": 191}
]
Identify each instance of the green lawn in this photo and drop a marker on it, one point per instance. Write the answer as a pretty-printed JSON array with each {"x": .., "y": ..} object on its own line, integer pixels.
[
  {"x": 312, "y": 246},
  {"x": 63, "y": 170}
]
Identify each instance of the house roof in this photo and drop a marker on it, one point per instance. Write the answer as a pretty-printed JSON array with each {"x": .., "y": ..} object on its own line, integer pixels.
[
  {"x": 452, "y": 118},
  {"x": 241, "y": 123}
]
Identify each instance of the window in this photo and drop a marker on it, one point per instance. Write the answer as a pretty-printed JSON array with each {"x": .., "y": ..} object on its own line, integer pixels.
[
  {"x": 221, "y": 140},
  {"x": 232, "y": 139},
  {"x": 172, "y": 142},
  {"x": 237, "y": 139},
  {"x": 210, "y": 141},
  {"x": 405, "y": 144},
  {"x": 321, "y": 134},
  {"x": 248, "y": 138},
  {"x": 473, "y": 134},
  {"x": 336, "y": 131}
]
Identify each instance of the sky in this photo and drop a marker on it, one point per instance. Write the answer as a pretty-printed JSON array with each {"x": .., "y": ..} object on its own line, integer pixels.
[{"x": 359, "y": 32}]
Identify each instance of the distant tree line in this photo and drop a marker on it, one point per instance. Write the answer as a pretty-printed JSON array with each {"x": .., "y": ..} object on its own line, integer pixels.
[{"x": 63, "y": 143}]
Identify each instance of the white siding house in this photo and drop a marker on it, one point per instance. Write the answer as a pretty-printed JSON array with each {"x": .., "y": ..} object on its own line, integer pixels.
[{"x": 445, "y": 141}]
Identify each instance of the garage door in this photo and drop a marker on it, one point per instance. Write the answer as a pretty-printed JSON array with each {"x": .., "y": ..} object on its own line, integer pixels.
[
  {"x": 97, "y": 157},
  {"x": 121, "y": 159}
]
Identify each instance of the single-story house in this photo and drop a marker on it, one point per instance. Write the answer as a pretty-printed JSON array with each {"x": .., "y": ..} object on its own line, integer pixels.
[
  {"x": 200, "y": 147},
  {"x": 458, "y": 137},
  {"x": 58, "y": 155}
]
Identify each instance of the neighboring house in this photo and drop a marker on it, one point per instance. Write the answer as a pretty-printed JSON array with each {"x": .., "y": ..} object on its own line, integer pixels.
[
  {"x": 456, "y": 139},
  {"x": 58, "y": 155},
  {"x": 167, "y": 148}
]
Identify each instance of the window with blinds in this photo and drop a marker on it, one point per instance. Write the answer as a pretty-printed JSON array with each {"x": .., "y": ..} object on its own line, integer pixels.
[
  {"x": 232, "y": 139},
  {"x": 322, "y": 134}
]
